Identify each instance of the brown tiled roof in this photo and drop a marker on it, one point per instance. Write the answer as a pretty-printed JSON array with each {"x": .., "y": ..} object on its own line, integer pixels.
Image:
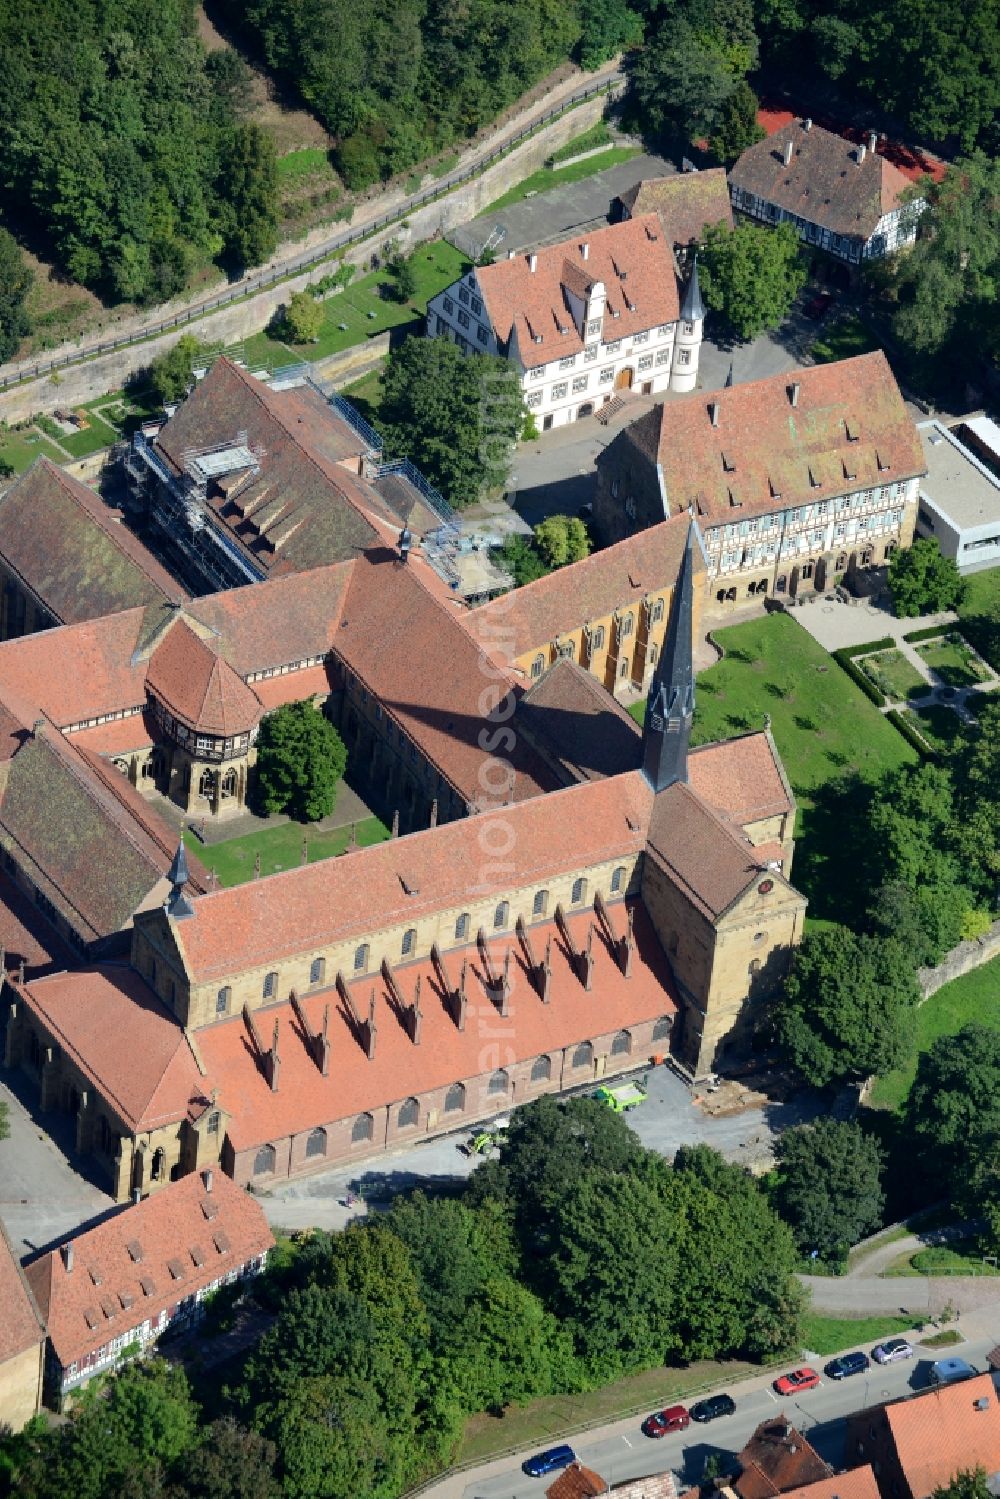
[
  {"x": 119, "y": 737},
  {"x": 21, "y": 1326},
  {"x": 824, "y": 183},
  {"x": 576, "y": 1482},
  {"x": 123, "y": 1038},
  {"x": 766, "y": 455},
  {"x": 578, "y": 725},
  {"x": 331, "y": 900},
  {"x": 942, "y": 1431},
  {"x": 26, "y": 936},
  {"x": 72, "y": 551},
  {"x": 686, "y": 204},
  {"x": 742, "y": 778},
  {"x": 525, "y": 304},
  {"x": 77, "y": 672},
  {"x": 614, "y": 577},
  {"x": 706, "y": 858},
  {"x": 198, "y": 687},
  {"x": 400, "y": 1069},
  {"x": 168, "y": 1229},
  {"x": 777, "y": 1458},
  {"x": 656, "y": 1486},
  {"x": 296, "y": 618},
  {"x": 856, "y": 1483}
]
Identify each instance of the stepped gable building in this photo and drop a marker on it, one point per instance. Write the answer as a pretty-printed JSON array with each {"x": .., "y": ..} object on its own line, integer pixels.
[
  {"x": 919, "y": 1444},
  {"x": 66, "y": 557},
  {"x": 841, "y": 197},
  {"x": 121, "y": 1285},
  {"x": 251, "y": 479},
  {"x": 686, "y": 204},
  {"x": 22, "y": 1343},
  {"x": 581, "y": 319},
  {"x": 626, "y": 896},
  {"x": 793, "y": 480}
]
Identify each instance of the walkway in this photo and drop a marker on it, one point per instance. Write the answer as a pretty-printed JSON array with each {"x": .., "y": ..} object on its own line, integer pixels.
[{"x": 923, "y": 1296}]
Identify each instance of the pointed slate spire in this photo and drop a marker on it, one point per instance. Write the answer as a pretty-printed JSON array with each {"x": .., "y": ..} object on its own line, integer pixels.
[
  {"x": 729, "y": 377},
  {"x": 670, "y": 708},
  {"x": 178, "y": 873},
  {"x": 178, "y": 905},
  {"x": 692, "y": 307}
]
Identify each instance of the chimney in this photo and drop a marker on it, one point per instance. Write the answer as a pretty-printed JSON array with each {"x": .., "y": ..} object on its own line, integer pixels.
[
  {"x": 861, "y": 153},
  {"x": 713, "y": 411},
  {"x": 872, "y": 141},
  {"x": 793, "y": 393},
  {"x": 38, "y": 731},
  {"x": 585, "y": 250},
  {"x": 789, "y": 148},
  {"x": 207, "y": 1178},
  {"x": 67, "y": 1254},
  {"x": 807, "y": 124},
  {"x": 532, "y": 263}
]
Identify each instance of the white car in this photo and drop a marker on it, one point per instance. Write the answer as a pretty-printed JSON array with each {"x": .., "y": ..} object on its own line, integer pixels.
[{"x": 892, "y": 1350}]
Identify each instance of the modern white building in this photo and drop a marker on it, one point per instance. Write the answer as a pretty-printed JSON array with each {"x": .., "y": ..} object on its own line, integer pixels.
[
  {"x": 841, "y": 197},
  {"x": 960, "y": 492},
  {"x": 582, "y": 319}
]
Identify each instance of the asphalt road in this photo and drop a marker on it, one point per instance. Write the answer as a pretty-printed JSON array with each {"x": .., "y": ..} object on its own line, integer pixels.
[{"x": 620, "y": 1452}]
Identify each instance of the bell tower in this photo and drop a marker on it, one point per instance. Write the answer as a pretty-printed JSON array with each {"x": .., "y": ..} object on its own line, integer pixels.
[{"x": 670, "y": 708}]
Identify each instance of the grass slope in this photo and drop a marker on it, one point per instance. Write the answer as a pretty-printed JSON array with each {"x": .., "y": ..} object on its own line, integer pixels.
[
  {"x": 980, "y": 614},
  {"x": 281, "y": 848},
  {"x": 833, "y": 1334},
  {"x": 975, "y": 997}
]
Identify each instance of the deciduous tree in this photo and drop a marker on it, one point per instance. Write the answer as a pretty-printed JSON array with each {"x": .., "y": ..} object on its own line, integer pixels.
[
  {"x": 15, "y": 283},
  {"x": 923, "y": 580},
  {"x": 737, "y": 128},
  {"x": 300, "y": 760},
  {"x": 829, "y": 1185},
  {"x": 170, "y": 375},
  {"x": 751, "y": 275},
  {"x": 561, "y": 539},
  {"x": 303, "y": 318}
]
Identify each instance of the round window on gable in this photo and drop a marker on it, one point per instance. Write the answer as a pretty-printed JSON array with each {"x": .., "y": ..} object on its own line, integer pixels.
[{"x": 765, "y": 887}]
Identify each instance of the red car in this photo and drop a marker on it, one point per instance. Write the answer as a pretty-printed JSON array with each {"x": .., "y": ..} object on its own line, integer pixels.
[
  {"x": 660, "y": 1423},
  {"x": 797, "y": 1381}
]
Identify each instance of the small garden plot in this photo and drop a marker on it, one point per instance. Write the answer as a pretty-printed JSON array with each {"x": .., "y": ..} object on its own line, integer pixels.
[
  {"x": 939, "y": 725},
  {"x": 892, "y": 674},
  {"x": 953, "y": 662}
]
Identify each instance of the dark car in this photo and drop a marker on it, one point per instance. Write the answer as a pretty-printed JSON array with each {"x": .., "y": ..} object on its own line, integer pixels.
[
  {"x": 817, "y": 305},
  {"x": 712, "y": 1408},
  {"x": 846, "y": 1365},
  {"x": 674, "y": 1418},
  {"x": 549, "y": 1461}
]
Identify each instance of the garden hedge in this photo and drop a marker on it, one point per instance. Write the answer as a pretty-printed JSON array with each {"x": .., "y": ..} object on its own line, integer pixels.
[
  {"x": 928, "y": 632},
  {"x": 843, "y": 660},
  {"x": 910, "y": 734}
]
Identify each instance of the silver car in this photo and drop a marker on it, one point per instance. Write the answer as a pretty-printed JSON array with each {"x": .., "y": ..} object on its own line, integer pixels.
[{"x": 892, "y": 1350}]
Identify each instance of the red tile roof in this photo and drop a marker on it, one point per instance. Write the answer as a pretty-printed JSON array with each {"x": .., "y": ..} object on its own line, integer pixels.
[
  {"x": 577, "y": 724},
  {"x": 198, "y": 687},
  {"x": 20, "y": 1325},
  {"x": 25, "y": 935},
  {"x": 123, "y": 1038},
  {"x": 124, "y": 1269},
  {"x": 856, "y": 1483},
  {"x": 296, "y": 618},
  {"x": 400, "y": 1069},
  {"x": 709, "y": 861},
  {"x": 333, "y": 899},
  {"x": 576, "y": 1482},
  {"x": 777, "y": 1458},
  {"x": 686, "y": 204},
  {"x": 615, "y": 577},
  {"x": 80, "y": 671},
  {"x": 742, "y": 778},
  {"x": 943, "y": 1430},
  {"x": 635, "y": 262},
  {"x": 766, "y": 455}
]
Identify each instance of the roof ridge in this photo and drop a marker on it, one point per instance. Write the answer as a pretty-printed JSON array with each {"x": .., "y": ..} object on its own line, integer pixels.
[{"x": 107, "y": 525}]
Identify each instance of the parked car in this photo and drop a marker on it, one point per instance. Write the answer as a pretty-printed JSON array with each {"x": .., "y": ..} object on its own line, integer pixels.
[
  {"x": 817, "y": 305},
  {"x": 892, "y": 1350},
  {"x": 549, "y": 1460},
  {"x": 623, "y": 1099},
  {"x": 660, "y": 1423},
  {"x": 950, "y": 1370},
  {"x": 712, "y": 1407},
  {"x": 846, "y": 1365},
  {"x": 799, "y": 1379}
]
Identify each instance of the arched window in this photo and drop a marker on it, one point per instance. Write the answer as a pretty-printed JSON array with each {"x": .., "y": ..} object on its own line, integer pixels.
[
  {"x": 159, "y": 1164},
  {"x": 618, "y": 879},
  {"x": 498, "y": 1083},
  {"x": 361, "y": 958},
  {"x": 807, "y": 570},
  {"x": 891, "y": 548},
  {"x": 222, "y": 1000},
  {"x": 841, "y": 563},
  {"x": 654, "y": 654},
  {"x": 579, "y": 892},
  {"x": 409, "y": 941},
  {"x": 623, "y": 670},
  {"x": 454, "y": 1099},
  {"x": 206, "y": 784},
  {"x": 462, "y": 927},
  {"x": 264, "y": 1160},
  {"x": 500, "y": 915},
  {"x": 866, "y": 557},
  {"x": 537, "y": 667},
  {"x": 662, "y": 1028},
  {"x": 657, "y": 612},
  {"x": 363, "y": 1128},
  {"x": 626, "y": 626},
  {"x": 781, "y": 584},
  {"x": 316, "y": 1143},
  {"x": 317, "y": 970},
  {"x": 270, "y": 985},
  {"x": 583, "y": 1056},
  {"x": 541, "y": 1069},
  {"x": 540, "y": 903},
  {"x": 597, "y": 643},
  {"x": 229, "y": 784},
  {"x": 409, "y": 1113},
  {"x": 621, "y": 1045},
  {"x": 214, "y": 1121}
]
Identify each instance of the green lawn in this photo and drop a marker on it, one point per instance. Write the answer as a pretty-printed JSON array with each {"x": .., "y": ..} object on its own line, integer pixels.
[
  {"x": 281, "y": 848},
  {"x": 960, "y": 1258},
  {"x": 952, "y": 660},
  {"x": 843, "y": 340},
  {"x": 597, "y": 135},
  {"x": 976, "y": 997},
  {"x": 540, "y": 182},
  {"x": 20, "y": 449},
  {"x": 366, "y": 395},
  {"x": 832, "y": 1334},
  {"x": 261, "y": 351},
  {"x": 940, "y": 726},
  {"x": 96, "y": 435},
  {"x": 303, "y": 163},
  {"x": 891, "y": 672},
  {"x": 980, "y": 614}
]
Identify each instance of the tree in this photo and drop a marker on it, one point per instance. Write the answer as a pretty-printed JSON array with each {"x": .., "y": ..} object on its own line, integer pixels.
[
  {"x": 404, "y": 276},
  {"x": 923, "y": 580},
  {"x": 751, "y": 275},
  {"x": 848, "y": 1007},
  {"x": 968, "y": 1483},
  {"x": 829, "y": 1186},
  {"x": 229, "y": 1463},
  {"x": 521, "y": 559},
  {"x": 16, "y": 281},
  {"x": 609, "y": 26},
  {"x": 300, "y": 760},
  {"x": 249, "y": 192},
  {"x": 955, "y": 1098},
  {"x": 170, "y": 375},
  {"x": 737, "y": 128},
  {"x": 561, "y": 539},
  {"x": 303, "y": 318},
  {"x": 457, "y": 416},
  {"x": 681, "y": 83}
]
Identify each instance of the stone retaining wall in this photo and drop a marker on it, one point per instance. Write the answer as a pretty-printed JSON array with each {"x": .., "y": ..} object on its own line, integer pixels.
[{"x": 962, "y": 959}]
